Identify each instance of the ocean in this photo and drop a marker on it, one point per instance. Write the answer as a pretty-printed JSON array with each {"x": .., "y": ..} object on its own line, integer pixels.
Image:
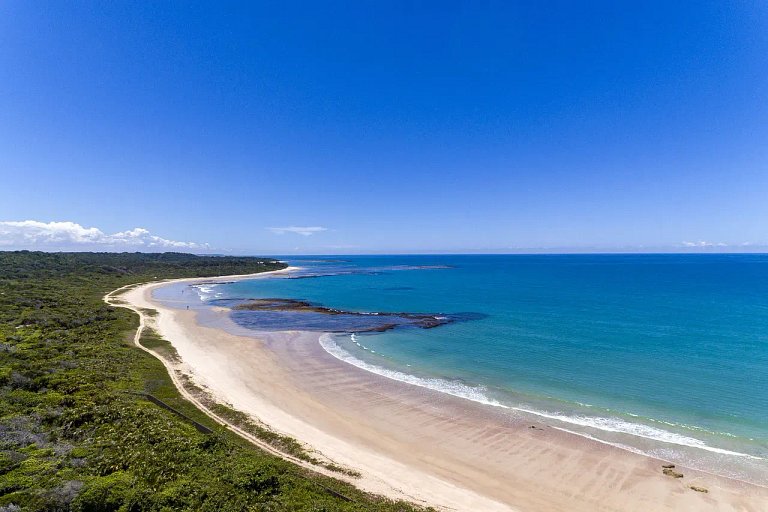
[{"x": 665, "y": 355}]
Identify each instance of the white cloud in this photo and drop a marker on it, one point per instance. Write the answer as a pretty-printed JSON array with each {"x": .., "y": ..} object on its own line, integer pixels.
[
  {"x": 32, "y": 234},
  {"x": 342, "y": 247},
  {"x": 299, "y": 230},
  {"x": 702, "y": 243}
]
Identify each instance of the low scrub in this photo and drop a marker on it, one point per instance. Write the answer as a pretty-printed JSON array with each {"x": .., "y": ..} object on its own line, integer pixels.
[{"x": 75, "y": 436}]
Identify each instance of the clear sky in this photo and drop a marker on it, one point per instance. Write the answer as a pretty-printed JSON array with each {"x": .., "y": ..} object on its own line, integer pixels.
[{"x": 384, "y": 126}]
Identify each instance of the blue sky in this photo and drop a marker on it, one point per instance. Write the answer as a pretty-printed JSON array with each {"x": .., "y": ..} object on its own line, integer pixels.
[{"x": 384, "y": 126}]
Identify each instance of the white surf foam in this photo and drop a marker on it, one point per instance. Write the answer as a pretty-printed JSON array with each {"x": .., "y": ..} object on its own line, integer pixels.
[
  {"x": 634, "y": 429},
  {"x": 206, "y": 291},
  {"x": 478, "y": 394},
  {"x": 454, "y": 388}
]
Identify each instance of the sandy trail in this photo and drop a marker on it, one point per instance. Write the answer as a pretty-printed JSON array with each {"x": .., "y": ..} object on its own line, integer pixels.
[{"x": 174, "y": 371}]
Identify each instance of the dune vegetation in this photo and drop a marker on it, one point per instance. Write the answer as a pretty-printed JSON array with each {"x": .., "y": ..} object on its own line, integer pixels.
[{"x": 76, "y": 429}]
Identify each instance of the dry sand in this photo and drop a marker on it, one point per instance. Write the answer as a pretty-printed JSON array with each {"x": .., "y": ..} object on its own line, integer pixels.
[{"x": 413, "y": 443}]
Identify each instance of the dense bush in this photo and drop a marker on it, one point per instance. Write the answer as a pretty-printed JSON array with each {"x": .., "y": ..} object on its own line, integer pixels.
[{"x": 72, "y": 438}]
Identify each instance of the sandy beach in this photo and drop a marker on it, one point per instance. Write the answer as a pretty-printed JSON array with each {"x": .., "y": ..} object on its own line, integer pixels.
[{"x": 416, "y": 444}]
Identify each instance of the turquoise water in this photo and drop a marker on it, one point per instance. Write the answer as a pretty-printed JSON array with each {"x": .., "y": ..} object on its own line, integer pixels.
[{"x": 662, "y": 354}]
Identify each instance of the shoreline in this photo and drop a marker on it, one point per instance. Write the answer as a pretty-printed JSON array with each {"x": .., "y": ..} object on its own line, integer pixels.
[
  {"x": 475, "y": 394},
  {"x": 411, "y": 443}
]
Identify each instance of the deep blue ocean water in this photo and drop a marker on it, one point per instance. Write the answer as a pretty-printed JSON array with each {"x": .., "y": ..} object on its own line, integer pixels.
[{"x": 662, "y": 354}]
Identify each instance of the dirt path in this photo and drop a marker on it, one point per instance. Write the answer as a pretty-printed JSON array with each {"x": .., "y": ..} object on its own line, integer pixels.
[{"x": 112, "y": 299}]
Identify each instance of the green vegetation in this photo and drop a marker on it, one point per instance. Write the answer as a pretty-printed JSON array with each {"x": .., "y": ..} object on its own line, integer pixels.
[
  {"x": 74, "y": 435},
  {"x": 153, "y": 341}
]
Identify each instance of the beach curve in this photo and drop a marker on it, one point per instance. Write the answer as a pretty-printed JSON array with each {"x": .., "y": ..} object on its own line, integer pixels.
[
  {"x": 136, "y": 298},
  {"x": 439, "y": 476}
]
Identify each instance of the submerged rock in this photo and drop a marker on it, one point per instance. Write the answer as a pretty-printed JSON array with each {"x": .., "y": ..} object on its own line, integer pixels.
[{"x": 306, "y": 315}]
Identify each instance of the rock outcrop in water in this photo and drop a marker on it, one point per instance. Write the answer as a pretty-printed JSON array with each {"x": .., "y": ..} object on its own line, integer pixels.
[{"x": 359, "y": 321}]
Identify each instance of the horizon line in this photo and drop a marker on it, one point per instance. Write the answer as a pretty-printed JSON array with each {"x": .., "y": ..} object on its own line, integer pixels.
[{"x": 431, "y": 253}]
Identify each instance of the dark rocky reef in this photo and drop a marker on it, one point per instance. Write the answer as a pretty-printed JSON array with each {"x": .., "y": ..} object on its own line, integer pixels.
[{"x": 377, "y": 322}]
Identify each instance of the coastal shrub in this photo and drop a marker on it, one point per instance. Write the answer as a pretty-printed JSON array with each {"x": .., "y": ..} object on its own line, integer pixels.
[
  {"x": 75, "y": 436},
  {"x": 106, "y": 494}
]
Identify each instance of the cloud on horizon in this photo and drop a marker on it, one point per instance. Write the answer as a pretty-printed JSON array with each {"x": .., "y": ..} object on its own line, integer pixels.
[
  {"x": 703, "y": 243},
  {"x": 298, "y": 230},
  {"x": 32, "y": 234},
  {"x": 742, "y": 246}
]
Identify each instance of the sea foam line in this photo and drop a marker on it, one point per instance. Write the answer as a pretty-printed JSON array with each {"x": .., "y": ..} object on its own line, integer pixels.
[
  {"x": 477, "y": 394},
  {"x": 634, "y": 429},
  {"x": 454, "y": 388},
  {"x": 206, "y": 291}
]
